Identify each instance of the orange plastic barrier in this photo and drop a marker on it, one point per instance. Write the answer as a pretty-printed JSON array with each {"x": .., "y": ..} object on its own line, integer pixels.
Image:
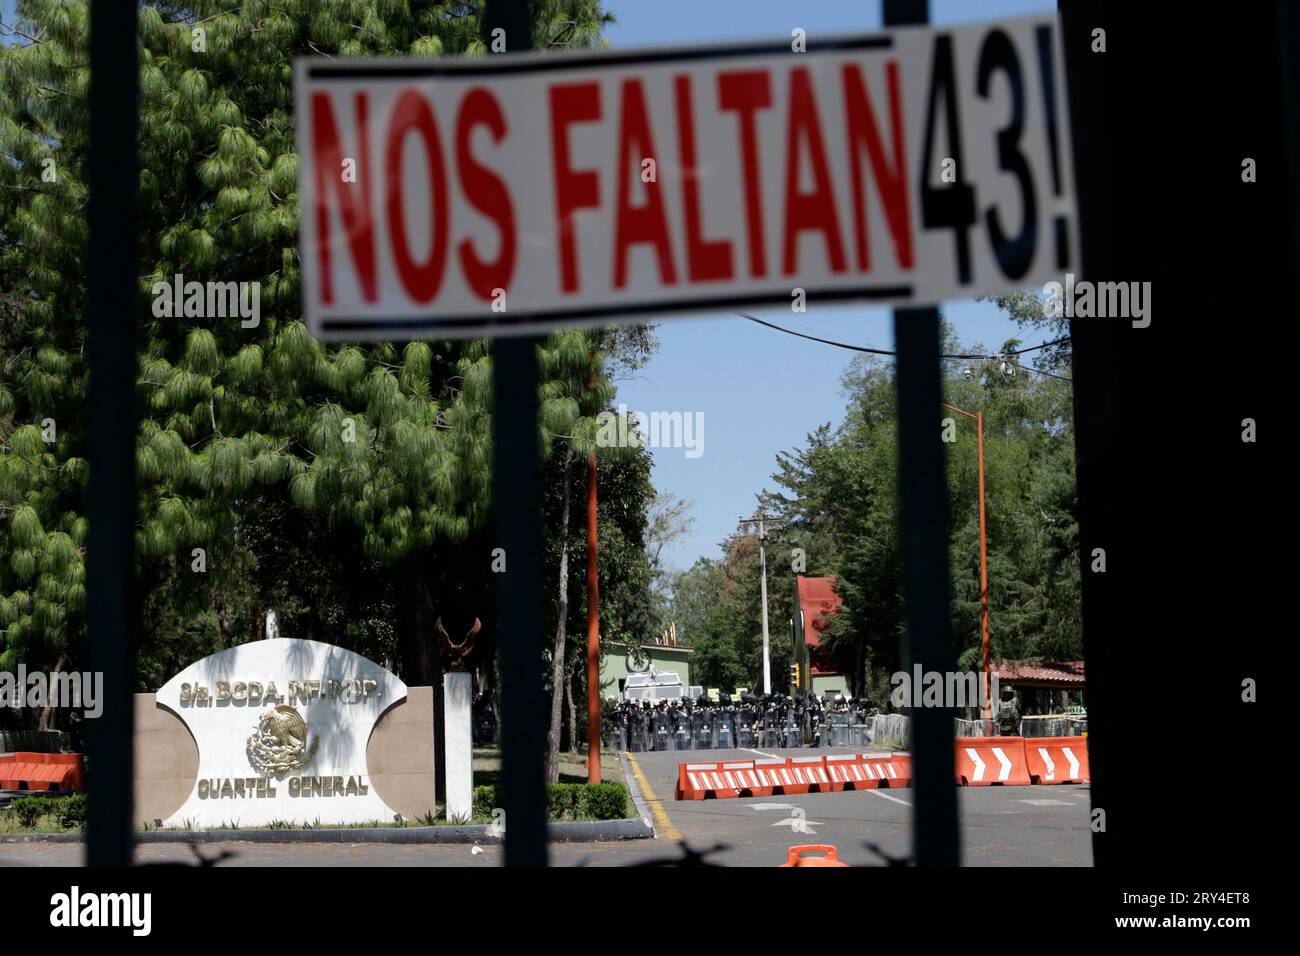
[
  {"x": 988, "y": 761},
  {"x": 847, "y": 773},
  {"x": 809, "y": 773},
  {"x": 1057, "y": 759},
  {"x": 765, "y": 771},
  {"x": 42, "y": 772},
  {"x": 900, "y": 770},
  {"x": 980, "y": 762},
  {"x": 722, "y": 778},
  {"x": 797, "y": 855},
  {"x": 792, "y": 775}
]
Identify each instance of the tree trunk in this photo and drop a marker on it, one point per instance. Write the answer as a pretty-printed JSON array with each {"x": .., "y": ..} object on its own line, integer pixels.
[
  {"x": 311, "y": 615},
  {"x": 419, "y": 652},
  {"x": 573, "y": 717},
  {"x": 415, "y": 635},
  {"x": 46, "y": 719},
  {"x": 860, "y": 669},
  {"x": 219, "y": 604},
  {"x": 557, "y": 653}
]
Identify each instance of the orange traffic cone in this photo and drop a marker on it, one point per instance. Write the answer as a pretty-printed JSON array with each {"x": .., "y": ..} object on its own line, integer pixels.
[{"x": 830, "y": 856}]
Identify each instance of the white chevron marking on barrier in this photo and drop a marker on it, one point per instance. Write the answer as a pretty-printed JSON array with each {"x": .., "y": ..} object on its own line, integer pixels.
[
  {"x": 1074, "y": 762},
  {"x": 979, "y": 764},
  {"x": 1005, "y": 772},
  {"x": 1051, "y": 767}
]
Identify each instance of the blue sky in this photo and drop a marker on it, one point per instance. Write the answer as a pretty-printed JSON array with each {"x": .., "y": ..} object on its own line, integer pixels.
[{"x": 726, "y": 367}]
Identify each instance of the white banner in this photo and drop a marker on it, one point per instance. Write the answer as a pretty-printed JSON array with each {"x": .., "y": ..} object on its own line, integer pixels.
[{"x": 457, "y": 197}]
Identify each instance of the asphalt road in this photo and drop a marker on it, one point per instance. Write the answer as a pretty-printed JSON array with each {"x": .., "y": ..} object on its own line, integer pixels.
[{"x": 1000, "y": 826}]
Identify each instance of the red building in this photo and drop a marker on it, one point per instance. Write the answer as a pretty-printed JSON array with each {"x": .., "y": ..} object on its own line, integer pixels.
[{"x": 815, "y": 602}]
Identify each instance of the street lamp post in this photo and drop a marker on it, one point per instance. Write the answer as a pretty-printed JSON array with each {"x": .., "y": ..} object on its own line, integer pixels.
[
  {"x": 984, "y": 558},
  {"x": 761, "y": 520}
]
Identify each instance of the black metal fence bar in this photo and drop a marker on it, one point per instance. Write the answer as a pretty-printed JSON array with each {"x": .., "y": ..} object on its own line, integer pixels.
[{"x": 111, "y": 301}]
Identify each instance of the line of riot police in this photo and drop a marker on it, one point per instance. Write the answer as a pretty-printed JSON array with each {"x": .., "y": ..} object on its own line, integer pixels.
[{"x": 748, "y": 722}]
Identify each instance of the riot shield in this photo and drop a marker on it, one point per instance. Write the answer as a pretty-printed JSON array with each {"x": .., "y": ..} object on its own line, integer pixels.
[
  {"x": 726, "y": 731},
  {"x": 663, "y": 733},
  {"x": 772, "y": 729},
  {"x": 636, "y": 731},
  {"x": 681, "y": 732},
  {"x": 745, "y": 737},
  {"x": 839, "y": 730}
]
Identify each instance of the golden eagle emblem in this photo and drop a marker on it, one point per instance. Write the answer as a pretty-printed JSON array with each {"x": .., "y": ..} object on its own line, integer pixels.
[{"x": 280, "y": 742}]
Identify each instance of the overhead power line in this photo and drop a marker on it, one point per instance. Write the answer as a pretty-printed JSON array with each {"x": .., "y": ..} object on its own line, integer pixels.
[{"x": 873, "y": 351}]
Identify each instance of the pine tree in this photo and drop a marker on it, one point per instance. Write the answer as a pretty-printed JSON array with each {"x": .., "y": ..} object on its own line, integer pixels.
[{"x": 389, "y": 443}]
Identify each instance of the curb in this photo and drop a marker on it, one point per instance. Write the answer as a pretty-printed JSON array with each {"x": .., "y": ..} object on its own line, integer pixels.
[
  {"x": 581, "y": 831},
  {"x": 638, "y": 798}
]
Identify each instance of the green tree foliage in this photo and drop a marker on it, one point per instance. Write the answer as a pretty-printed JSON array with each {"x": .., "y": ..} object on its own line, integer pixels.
[
  {"x": 718, "y": 608},
  {"x": 384, "y": 448},
  {"x": 837, "y": 500}
]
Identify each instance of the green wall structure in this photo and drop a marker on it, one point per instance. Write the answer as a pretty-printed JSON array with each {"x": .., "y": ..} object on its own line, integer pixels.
[{"x": 834, "y": 682}]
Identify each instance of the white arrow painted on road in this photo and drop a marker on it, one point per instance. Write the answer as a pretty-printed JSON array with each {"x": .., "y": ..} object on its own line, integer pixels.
[
  {"x": 798, "y": 821},
  {"x": 1074, "y": 762},
  {"x": 1047, "y": 759},
  {"x": 979, "y": 764},
  {"x": 798, "y": 824},
  {"x": 1005, "y": 772}
]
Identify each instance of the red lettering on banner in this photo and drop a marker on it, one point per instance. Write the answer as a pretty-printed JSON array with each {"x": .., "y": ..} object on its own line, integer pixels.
[
  {"x": 744, "y": 92},
  {"x": 358, "y": 220},
  {"x": 815, "y": 210},
  {"x": 486, "y": 192},
  {"x": 571, "y": 103},
  {"x": 638, "y": 224},
  {"x": 892, "y": 182},
  {"x": 413, "y": 113},
  {"x": 705, "y": 260}
]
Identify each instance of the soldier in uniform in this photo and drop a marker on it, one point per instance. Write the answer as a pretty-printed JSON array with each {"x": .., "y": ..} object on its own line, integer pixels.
[{"x": 1008, "y": 713}]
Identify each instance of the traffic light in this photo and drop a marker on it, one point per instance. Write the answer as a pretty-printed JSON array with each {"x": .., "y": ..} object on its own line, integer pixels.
[{"x": 794, "y": 675}]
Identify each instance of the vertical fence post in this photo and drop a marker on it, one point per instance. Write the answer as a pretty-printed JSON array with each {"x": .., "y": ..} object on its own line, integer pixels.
[
  {"x": 111, "y": 302},
  {"x": 1093, "y": 352},
  {"x": 923, "y": 495},
  {"x": 516, "y": 506}
]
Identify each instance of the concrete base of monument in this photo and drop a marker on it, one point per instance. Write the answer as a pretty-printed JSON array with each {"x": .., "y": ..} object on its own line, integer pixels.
[{"x": 581, "y": 831}]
